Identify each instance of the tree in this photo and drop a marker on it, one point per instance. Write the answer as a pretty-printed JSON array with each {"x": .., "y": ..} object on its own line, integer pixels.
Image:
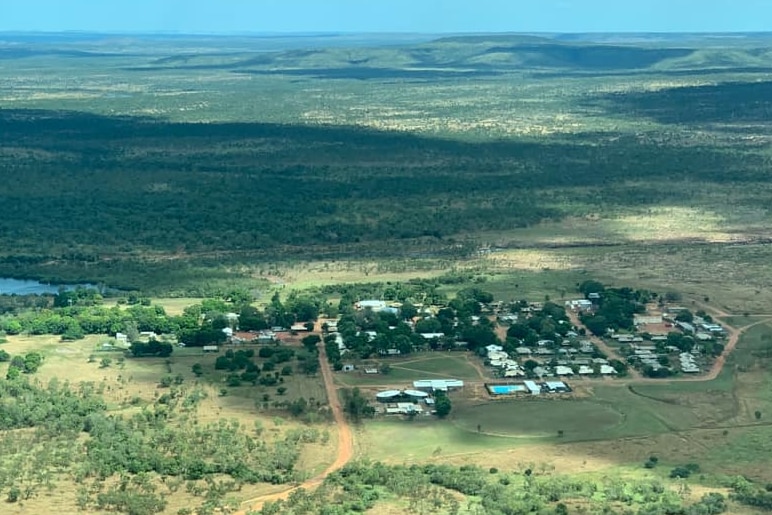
[
  {"x": 597, "y": 324},
  {"x": 310, "y": 342},
  {"x": 197, "y": 369},
  {"x": 356, "y": 405},
  {"x": 309, "y": 367},
  {"x": 442, "y": 405},
  {"x": 757, "y": 414},
  {"x": 408, "y": 311},
  {"x": 281, "y": 390},
  {"x": 32, "y": 362},
  {"x": 518, "y": 330},
  {"x": 4, "y": 356},
  {"x": 105, "y": 363},
  {"x": 591, "y": 286}
]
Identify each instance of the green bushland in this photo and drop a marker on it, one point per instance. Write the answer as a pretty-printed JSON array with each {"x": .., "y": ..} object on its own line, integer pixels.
[
  {"x": 71, "y": 436},
  {"x": 447, "y": 489},
  {"x": 367, "y": 152}
]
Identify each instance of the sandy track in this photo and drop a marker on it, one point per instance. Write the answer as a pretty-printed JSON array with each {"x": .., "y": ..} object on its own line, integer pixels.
[{"x": 345, "y": 442}]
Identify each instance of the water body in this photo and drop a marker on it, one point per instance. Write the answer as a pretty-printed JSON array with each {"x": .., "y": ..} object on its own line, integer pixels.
[{"x": 29, "y": 287}]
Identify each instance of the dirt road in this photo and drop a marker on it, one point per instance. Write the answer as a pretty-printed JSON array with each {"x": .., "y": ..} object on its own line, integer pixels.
[
  {"x": 345, "y": 442},
  {"x": 734, "y": 334}
]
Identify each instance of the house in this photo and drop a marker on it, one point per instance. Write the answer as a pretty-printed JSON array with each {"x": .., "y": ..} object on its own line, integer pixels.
[
  {"x": 557, "y": 387},
  {"x": 211, "y": 348},
  {"x": 607, "y": 370},
  {"x": 523, "y": 351},
  {"x": 541, "y": 371},
  {"x": 348, "y": 367},
  {"x": 561, "y": 370},
  {"x": 647, "y": 319},
  {"x": 375, "y": 305},
  {"x": 685, "y": 327},
  {"x": 432, "y": 336},
  {"x": 585, "y": 370},
  {"x": 532, "y": 387},
  {"x": 403, "y": 408},
  {"x": 121, "y": 339},
  {"x": 298, "y": 328},
  {"x": 266, "y": 337},
  {"x": 593, "y": 296},
  {"x": 242, "y": 337},
  {"x": 579, "y": 305},
  {"x": 371, "y": 371}
]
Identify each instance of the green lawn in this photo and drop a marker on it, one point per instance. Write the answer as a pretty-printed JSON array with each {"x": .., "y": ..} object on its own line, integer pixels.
[
  {"x": 421, "y": 439},
  {"x": 579, "y": 420},
  {"x": 419, "y": 366}
]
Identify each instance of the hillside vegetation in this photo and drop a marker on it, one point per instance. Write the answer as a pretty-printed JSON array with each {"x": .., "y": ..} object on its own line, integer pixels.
[{"x": 217, "y": 149}]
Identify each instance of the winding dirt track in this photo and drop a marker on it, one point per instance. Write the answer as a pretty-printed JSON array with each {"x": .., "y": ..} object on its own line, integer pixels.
[{"x": 345, "y": 442}]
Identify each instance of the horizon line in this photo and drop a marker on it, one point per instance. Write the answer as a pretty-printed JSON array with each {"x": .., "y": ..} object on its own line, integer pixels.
[{"x": 374, "y": 33}]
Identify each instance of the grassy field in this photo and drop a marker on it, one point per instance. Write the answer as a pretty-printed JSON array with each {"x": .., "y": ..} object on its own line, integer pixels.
[
  {"x": 608, "y": 426},
  {"x": 541, "y": 419},
  {"x": 403, "y": 371},
  {"x": 129, "y": 384}
]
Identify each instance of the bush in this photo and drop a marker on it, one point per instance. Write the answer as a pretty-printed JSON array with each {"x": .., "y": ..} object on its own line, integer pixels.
[
  {"x": 266, "y": 352},
  {"x": 684, "y": 471},
  {"x": 166, "y": 381},
  {"x": 14, "y": 493}
]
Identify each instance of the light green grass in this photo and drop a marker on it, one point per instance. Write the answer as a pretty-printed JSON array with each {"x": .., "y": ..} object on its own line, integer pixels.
[
  {"x": 398, "y": 441},
  {"x": 525, "y": 418}
]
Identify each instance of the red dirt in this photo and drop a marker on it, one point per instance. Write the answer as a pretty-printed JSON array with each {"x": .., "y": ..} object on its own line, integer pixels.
[{"x": 345, "y": 442}]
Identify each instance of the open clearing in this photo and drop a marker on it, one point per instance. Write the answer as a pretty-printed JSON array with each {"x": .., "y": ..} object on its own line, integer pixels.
[
  {"x": 540, "y": 418},
  {"x": 403, "y": 371}
]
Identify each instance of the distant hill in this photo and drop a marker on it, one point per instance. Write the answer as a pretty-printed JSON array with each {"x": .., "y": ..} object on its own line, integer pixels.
[{"x": 488, "y": 54}]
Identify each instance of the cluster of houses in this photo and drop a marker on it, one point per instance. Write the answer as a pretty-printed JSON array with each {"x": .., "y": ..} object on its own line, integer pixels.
[
  {"x": 646, "y": 356},
  {"x": 511, "y": 368},
  {"x": 498, "y": 358},
  {"x": 688, "y": 364}
]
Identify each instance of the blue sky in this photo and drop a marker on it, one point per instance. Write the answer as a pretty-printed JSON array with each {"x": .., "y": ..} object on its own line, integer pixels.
[{"x": 223, "y": 16}]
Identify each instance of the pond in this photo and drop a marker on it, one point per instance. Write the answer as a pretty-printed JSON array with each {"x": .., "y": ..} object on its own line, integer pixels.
[{"x": 30, "y": 287}]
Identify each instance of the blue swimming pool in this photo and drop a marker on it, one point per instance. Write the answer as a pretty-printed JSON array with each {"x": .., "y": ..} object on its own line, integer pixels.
[{"x": 506, "y": 389}]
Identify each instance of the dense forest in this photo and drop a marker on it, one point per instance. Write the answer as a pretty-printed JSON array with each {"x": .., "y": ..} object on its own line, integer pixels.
[{"x": 302, "y": 154}]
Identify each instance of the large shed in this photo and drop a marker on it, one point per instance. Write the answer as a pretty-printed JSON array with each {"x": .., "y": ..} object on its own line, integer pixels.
[
  {"x": 437, "y": 385},
  {"x": 388, "y": 395}
]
